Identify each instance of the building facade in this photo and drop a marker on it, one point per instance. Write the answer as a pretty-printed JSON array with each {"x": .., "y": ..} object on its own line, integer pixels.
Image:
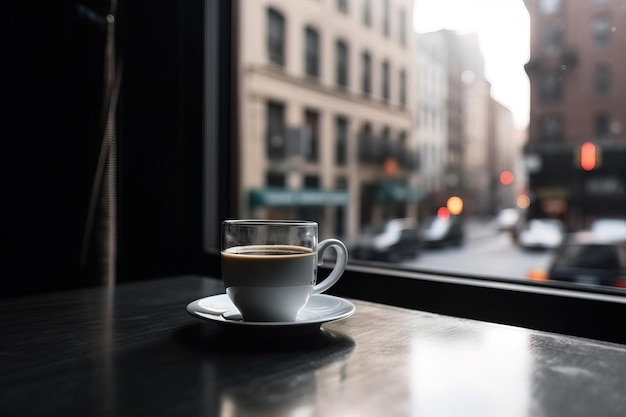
[
  {"x": 578, "y": 95},
  {"x": 431, "y": 110},
  {"x": 325, "y": 126}
]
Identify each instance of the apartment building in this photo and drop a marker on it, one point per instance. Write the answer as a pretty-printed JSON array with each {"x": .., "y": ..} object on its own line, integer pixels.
[
  {"x": 431, "y": 110},
  {"x": 325, "y": 88},
  {"x": 439, "y": 117}
]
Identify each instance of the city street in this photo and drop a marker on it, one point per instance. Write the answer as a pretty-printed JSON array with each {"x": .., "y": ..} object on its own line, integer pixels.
[{"x": 486, "y": 252}]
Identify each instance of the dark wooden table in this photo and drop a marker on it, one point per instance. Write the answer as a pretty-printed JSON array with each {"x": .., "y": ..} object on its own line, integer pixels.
[{"x": 133, "y": 350}]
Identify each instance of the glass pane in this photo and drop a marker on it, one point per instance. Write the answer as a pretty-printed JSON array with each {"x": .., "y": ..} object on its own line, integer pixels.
[{"x": 492, "y": 132}]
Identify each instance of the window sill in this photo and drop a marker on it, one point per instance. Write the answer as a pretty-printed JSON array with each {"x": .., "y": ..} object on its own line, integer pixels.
[{"x": 552, "y": 307}]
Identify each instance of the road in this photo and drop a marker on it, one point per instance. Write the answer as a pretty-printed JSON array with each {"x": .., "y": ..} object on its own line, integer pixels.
[{"x": 486, "y": 252}]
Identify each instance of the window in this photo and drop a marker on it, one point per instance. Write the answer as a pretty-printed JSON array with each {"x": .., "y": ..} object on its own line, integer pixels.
[
  {"x": 341, "y": 144},
  {"x": 602, "y": 81},
  {"x": 551, "y": 88},
  {"x": 602, "y": 126},
  {"x": 275, "y": 136},
  {"x": 341, "y": 63},
  {"x": 601, "y": 31},
  {"x": 367, "y": 151},
  {"x": 275, "y": 180},
  {"x": 386, "y": 16},
  {"x": 486, "y": 278},
  {"x": 551, "y": 129},
  {"x": 342, "y": 6},
  {"x": 311, "y": 181},
  {"x": 367, "y": 12},
  {"x": 275, "y": 37},
  {"x": 366, "y": 73},
  {"x": 385, "y": 144},
  {"x": 386, "y": 87},
  {"x": 550, "y": 7},
  {"x": 467, "y": 133},
  {"x": 312, "y": 52},
  {"x": 341, "y": 213},
  {"x": 312, "y": 120},
  {"x": 553, "y": 41}
]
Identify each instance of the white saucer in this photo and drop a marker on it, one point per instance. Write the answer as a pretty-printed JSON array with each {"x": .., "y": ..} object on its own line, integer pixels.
[{"x": 321, "y": 308}]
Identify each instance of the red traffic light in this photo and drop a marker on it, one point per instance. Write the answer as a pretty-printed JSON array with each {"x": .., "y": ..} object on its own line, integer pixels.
[{"x": 588, "y": 156}]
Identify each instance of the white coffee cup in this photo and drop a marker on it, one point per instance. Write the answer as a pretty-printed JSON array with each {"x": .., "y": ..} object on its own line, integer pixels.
[{"x": 269, "y": 267}]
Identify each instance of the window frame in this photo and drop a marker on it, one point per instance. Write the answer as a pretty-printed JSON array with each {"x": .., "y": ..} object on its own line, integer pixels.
[
  {"x": 601, "y": 31},
  {"x": 312, "y": 56},
  {"x": 342, "y": 131},
  {"x": 385, "y": 85},
  {"x": 548, "y": 135},
  {"x": 280, "y": 41},
  {"x": 342, "y": 63},
  {"x": 366, "y": 73},
  {"x": 602, "y": 80}
]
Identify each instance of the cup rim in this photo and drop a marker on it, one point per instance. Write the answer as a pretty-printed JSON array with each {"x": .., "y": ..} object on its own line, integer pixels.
[{"x": 265, "y": 222}]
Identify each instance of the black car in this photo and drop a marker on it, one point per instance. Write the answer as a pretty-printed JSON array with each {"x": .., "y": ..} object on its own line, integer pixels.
[
  {"x": 586, "y": 259},
  {"x": 391, "y": 241},
  {"x": 443, "y": 231}
]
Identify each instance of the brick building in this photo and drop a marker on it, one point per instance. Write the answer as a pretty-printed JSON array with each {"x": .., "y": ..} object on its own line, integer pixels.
[{"x": 578, "y": 95}]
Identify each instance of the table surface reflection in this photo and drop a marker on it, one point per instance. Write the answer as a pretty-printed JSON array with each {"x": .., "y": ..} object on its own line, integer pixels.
[{"x": 133, "y": 350}]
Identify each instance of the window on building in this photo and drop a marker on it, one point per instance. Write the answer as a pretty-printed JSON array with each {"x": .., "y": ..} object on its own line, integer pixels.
[
  {"x": 275, "y": 180},
  {"x": 312, "y": 120},
  {"x": 366, "y": 73},
  {"x": 367, "y": 12},
  {"x": 341, "y": 63},
  {"x": 601, "y": 31},
  {"x": 550, "y": 7},
  {"x": 367, "y": 149},
  {"x": 551, "y": 129},
  {"x": 275, "y": 37},
  {"x": 340, "y": 212},
  {"x": 402, "y": 26},
  {"x": 312, "y": 52},
  {"x": 551, "y": 87},
  {"x": 275, "y": 131},
  {"x": 386, "y": 17},
  {"x": 386, "y": 82},
  {"x": 602, "y": 81},
  {"x": 553, "y": 41},
  {"x": 312, "y": 181},
  {"x": 342, "y": 6},
  {"x": 403, "y": 87},
  {"x": 602, "y": 126},
  {"x": 341, "y": 141},
  {"x": 385, "y": 144}
]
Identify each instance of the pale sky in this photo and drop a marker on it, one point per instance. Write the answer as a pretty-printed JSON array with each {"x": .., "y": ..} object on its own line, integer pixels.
[{"x": 503, "y": 28}]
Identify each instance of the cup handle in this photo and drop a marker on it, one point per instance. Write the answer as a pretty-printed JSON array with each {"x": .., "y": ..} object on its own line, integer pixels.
[{"x": 340, "y": 264}]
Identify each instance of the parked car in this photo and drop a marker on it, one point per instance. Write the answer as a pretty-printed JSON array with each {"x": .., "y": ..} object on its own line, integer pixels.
[
  {"x": 586, "y": 258},
  {"x": 443, "y": 231},
  {"x": 609, "y": 228},
  {"x": 507, "y": 219},
  {"x": 541, "y": 234},
  {"x": 391, "y": 241}
]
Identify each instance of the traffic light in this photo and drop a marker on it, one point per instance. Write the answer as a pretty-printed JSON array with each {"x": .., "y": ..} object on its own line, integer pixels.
[{"x": 589, "y": 156}]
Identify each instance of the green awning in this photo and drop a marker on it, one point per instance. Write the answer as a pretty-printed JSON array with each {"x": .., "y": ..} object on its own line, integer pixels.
[
  {"x": 391, "y": 192},
  {"x": 289, "y": 198}
]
